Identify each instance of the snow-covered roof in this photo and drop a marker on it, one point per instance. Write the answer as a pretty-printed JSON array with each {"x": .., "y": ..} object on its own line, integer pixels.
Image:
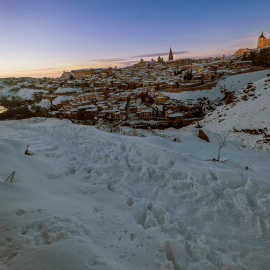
[
  {"x": 61, "y": 90},
  {"x": 175, "y": 115},
  {"x": 59, "y": 99}
]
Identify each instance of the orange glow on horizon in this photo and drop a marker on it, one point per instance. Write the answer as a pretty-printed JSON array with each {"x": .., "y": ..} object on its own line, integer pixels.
[{"x": 55, "y": 72}]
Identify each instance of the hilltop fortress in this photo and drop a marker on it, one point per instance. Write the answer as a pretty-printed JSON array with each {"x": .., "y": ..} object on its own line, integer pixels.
[{"x": 263, "y": 41}]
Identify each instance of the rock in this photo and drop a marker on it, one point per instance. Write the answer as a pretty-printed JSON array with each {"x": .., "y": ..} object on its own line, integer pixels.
[
  {"x": 203, "y": 136},
  {"x": 244, "y": 98},
  {"x": 229, "y": 99}
]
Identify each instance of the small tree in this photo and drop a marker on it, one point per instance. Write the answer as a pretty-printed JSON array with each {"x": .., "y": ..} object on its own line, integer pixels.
[
  {"x": 222, "y": 141},
  {"x": 188, "y": 76},
  {"x": 146, "y": 98}
]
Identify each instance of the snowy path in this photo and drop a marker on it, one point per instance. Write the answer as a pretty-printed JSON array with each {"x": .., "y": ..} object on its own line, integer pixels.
[{"x": 87, "y": 199}]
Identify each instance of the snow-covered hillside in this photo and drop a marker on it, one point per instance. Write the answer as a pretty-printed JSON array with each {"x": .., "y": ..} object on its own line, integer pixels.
[
  {"x": 24, "y": 93},
  {"x": 88, "y": 199},
  {"x": 247, "y": 118},
  {"x": 230, "y": 84}
]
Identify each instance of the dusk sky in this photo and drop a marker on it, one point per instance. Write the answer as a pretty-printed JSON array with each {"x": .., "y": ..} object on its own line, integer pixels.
[{"x": 43, "y": 38}]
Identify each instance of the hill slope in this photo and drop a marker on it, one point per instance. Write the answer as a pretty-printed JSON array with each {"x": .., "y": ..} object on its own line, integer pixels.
[
  {"x": 231, "y": 83},
  {"x": 247, "y": 117},
  {"x": 87, "y": 199}
]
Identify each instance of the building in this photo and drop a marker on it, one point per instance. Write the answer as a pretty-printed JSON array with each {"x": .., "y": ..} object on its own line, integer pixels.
[
  {"x": 242, "y": 50},
  {"x": 174, "y": 118},
  {"x": 83, "y": 73},
  {"x": 160, "y": 60},
  {"x": 170, "y": 55},
  {"x": 142, "y": 63},
  {"x": 263, "y": 41}
]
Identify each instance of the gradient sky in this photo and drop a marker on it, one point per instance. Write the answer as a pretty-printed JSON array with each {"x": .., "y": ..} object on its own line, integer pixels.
[{"x": 43, "y": 38}]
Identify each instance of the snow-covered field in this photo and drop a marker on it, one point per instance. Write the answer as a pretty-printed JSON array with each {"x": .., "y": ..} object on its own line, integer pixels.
[{"x": 88, "y": 199}]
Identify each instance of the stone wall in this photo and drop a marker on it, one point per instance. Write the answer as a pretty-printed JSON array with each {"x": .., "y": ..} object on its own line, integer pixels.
[{"x": 207, "y": 86}]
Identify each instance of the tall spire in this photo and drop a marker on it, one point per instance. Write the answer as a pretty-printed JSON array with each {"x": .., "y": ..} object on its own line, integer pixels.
[
  {"x": 170, "y": 54},
  {"x": 262, "y": 34}
]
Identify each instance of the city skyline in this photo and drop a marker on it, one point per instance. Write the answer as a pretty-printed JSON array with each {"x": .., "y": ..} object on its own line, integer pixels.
[{"x": 44, "y": 38}]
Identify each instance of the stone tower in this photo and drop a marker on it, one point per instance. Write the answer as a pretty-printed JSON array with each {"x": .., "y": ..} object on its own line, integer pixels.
[
  {"x": 170, "y": 55},
  {"x": 261, "y": 41}
]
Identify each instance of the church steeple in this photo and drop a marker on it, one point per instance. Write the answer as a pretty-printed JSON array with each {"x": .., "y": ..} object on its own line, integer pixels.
[
  {"x": 261, "y": 40},
  {"x": 170, "y": 55}
]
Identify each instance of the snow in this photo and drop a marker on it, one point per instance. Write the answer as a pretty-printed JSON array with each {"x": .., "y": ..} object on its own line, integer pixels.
[
  {"x": 86, "y": 107},
  {"x": 59, "y": 99},
  {"x": 245, "y": 115},
  {"x": 62, "y": 90},
  {"x": 232, "y": 83},
  {"x": 45, "y": 103},
  {"x": 87, "y": 199},
  {"x": 24, "y": 93},
  {"x": 176, "y": 115}
]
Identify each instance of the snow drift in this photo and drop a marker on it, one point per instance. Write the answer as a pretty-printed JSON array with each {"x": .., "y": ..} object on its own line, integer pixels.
[{"x": 87, "y": 199}]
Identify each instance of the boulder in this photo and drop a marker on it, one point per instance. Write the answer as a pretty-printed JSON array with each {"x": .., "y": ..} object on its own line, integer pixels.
[
  {"x": 244, "y": 98},
  {"x": 203, "y": 136}
]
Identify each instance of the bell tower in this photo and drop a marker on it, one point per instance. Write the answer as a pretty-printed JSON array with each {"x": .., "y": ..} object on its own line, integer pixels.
[
  {"x": 170, "y": 55},
  {"x": 261, "y": 41}
]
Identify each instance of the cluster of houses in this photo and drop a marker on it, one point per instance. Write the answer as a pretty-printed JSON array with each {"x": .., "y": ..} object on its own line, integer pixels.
[
  {"x": 137, "y": 93},
  {"x": 138, "y": 105}
]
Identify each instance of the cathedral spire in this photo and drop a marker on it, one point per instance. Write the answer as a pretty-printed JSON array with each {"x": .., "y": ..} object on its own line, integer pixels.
[
  {"x": 262, "y": 35},
  {"x": 170, "y": 55}
]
